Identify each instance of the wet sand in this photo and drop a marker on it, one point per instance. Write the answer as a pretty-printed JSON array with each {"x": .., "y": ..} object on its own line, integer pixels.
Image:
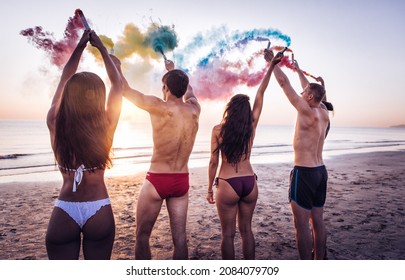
[{"x": 364, "y": 214}]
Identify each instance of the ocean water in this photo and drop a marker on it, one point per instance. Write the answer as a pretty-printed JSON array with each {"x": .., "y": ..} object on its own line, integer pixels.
[{"x": 26, "y": 155}]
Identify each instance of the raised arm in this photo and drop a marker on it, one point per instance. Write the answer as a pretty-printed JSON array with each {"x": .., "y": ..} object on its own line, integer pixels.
[
  {"x": 144, "y": 102},
  {"x": 303, "y": 80},
  {"x": 320, "y": 80},
  {"x": 190, "y": 98},
  {"x": 68, "y": 71},
  {"x": 114, "y": 102},
  {"x": 299, "y": 103},
  {"x": 325, "y": 102},
  {"x": 258, "y": 104}
]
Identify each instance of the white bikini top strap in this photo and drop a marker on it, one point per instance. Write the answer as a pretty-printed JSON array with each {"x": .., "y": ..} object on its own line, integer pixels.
[{"x": 78, "y": 177}]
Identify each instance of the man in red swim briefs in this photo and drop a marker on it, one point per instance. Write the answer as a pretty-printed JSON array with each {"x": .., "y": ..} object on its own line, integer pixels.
[{"x": 175, "y": 124}]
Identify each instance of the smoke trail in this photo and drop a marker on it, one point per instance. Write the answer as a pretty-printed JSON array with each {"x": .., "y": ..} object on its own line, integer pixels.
[
  {"x": 219, "y": 79},
  {"x": 200, "y": 41},
  {"x": 214, "y": 81},
  {"x": 221, "y": 40},
  {"x": 61, "y": 50},
  {"x": 218, "y": 61},
  {"x": 236, "y": 39},
  {"x": 242, "y": 38},
  {"x": 216, "y": 75}
]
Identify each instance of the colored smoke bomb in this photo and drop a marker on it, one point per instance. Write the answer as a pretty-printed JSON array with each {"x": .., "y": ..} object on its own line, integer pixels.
[
  {"x": 162, "y": 39},
  {"x": 83, "y": 18}
]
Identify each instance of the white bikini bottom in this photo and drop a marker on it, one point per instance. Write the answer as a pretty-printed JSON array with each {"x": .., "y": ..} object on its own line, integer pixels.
[{"x": 82, "y": 211}]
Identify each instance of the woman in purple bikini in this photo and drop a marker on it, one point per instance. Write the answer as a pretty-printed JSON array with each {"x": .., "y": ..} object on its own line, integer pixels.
[
  {"x": 236, "y": 182},
  {"x": 82, "y": 123}
]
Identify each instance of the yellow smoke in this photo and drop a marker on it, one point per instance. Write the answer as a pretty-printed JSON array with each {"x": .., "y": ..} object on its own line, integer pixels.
[
  {"x": 137, "y": 57},
  {"x": 133, "y": 42},
  {"x": 107, "y": 42}
]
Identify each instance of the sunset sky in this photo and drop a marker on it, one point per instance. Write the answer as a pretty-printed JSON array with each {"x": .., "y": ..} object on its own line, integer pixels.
[{"x": 356, "y": 46}]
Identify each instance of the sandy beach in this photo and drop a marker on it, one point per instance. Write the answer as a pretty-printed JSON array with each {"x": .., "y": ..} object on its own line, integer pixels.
[{"x": 364, "y": 213}]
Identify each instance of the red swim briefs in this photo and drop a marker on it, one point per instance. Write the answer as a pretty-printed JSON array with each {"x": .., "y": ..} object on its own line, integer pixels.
[{"x": 169, "y": 184}]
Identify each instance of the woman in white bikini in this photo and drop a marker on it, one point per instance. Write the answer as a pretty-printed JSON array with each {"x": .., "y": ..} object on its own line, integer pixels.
[
  {"x": 82, "y": 125},
  {"x": 236, "y": 184}
]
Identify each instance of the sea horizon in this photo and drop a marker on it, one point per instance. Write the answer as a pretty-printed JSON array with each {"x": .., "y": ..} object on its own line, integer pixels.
[{"x": 26, "y": 154}]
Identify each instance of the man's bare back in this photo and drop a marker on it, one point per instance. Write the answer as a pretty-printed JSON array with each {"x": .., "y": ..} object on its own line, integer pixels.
[
  {"x": 174, "y": 122},
  {"x": 174, "y": 131}
]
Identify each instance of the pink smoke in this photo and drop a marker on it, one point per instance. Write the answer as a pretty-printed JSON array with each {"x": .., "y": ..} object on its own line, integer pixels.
[
  {"x": 218, "y": 79},
  {"x": 286, "y": 62},
  {"x": 214, "y": 81},
  {"x": 61, "y": 50}
]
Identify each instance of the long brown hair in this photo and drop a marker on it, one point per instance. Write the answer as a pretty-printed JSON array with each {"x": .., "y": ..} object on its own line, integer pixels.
[
  {"x": 237, "y": 128},
  {"x": 81, "y": 135}
]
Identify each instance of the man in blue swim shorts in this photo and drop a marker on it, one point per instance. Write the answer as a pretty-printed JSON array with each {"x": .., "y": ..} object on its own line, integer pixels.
[{"x": 309, "y": 177}]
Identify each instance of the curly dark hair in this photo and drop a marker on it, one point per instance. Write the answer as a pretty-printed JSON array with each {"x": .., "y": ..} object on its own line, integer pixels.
[{"x": 236, "y": 130}]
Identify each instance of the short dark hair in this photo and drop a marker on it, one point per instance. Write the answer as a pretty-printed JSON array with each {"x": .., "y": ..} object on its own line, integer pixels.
[
  {"x": 317, "y": 90},
  {"x": 177, "y": 82}
]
